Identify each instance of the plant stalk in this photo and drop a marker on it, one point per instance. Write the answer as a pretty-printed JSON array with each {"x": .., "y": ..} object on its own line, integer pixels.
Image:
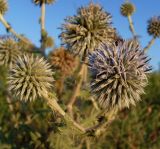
[
  {"x": 76, "y": 90},
  {"x": 151, "y": 42},
  {"x": 52, "y": 103},
  {"x": 131, "y": 26}
]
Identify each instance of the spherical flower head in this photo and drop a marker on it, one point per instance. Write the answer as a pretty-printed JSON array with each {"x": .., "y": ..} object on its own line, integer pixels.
[
  {"x": 154, "y": 27},
  {"x": 87, "y": 30},
  {"x": 3, "y": 7},
  {"x": 30, "y": 78},
  {"x": 119, "y": 74},
  {"x": 39, "y": 2},
  {"x": 9, "y": 51},
  {"x": 63, "y": 60},
  {"x": 127, "y": 9}
]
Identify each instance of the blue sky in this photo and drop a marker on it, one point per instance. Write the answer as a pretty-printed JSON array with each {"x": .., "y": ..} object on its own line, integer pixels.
[{"x": 24, "y": 16}]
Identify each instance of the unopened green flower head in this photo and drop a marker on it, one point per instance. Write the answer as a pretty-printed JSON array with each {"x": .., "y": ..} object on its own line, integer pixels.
[
  {"x": 3, "y": 6},
  {"x": 30, "y": 78},
  {"x": 127, "y": 9},
  {"x": 87, "y": 30},
  {"x": 9, "y": 51},
  {"x": 39, "y": 2},
  {"x": 154, "y": 27},
  {"x": 119, "y": 74}
]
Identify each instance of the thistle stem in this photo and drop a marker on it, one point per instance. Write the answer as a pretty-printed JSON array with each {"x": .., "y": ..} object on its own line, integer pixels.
[
  {"x": 76, "y": 90},
  {"x": 131, "y": 26},
  {"x": 60, "y": 85},
  {"x": 52, "y": 103},
  {"x": 42, "y": 22},
  {"x": 10, "y": 29},
  {"x": 151, "y": 42},
  {"x": 101, "y": 126}
]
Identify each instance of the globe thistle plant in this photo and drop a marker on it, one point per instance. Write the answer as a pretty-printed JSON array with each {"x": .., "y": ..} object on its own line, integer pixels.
[
  {"x": 3, "y": 7},
  {"x": 127, "y": 9},
  {"x": 119, "y": 74},
  {"x": 30, "y": 77},
  {"x": 63, "y": 60},
  {"x": 87, "y": 30},
  {"x": 154, "y": 27},
  {"x": 39, "y": 2},
  {"x": 9, "y": 51}
]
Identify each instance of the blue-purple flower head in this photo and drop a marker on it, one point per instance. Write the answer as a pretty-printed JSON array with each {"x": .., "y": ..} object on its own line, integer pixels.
[{"x": 119, "y": 74}]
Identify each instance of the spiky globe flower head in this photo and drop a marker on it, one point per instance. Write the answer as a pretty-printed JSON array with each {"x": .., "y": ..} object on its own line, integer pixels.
[
  {"x": 119, "y": 74},
  {"x": 127, "y": 9},
  {"x": 154, "y": 26},
  {"x": 39, "y": 2},
  {"x": 87, "y": 30},
  {"x": 30, "y": 77},
  {"x": 3, "y": 6},
  {"x": 9, "y": 51},
  {"x": 63, "y": 60}
]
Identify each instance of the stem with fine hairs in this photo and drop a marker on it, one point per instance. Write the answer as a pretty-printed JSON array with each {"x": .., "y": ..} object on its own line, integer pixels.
[
  {"x": 76, "y": 89},
  {"x": 52, "y": 103},
  {"x": 131, "y": 26},
  {"x": 149, "y": 44},
  {"x": 101, "y": 126}
]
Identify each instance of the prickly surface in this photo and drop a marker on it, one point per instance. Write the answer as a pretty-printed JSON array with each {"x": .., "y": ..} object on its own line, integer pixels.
[
  {"x": 63, "y": 60},
  {"x": 88, "y": 30},
  {"x": 119, "y": 74},
  {"x": 154, "y": 27},
  {"x": 30, "y": 78},
  {"x": 127, "y": 9}
]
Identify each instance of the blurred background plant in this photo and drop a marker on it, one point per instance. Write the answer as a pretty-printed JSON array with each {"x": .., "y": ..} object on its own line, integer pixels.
[{"x": 78, "y": 119}]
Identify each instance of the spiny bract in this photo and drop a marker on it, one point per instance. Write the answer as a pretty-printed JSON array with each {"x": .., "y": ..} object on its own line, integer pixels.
[
  {"x": 119, "y": 74},
  {"x": 64, "y": 60},
  {"x": 154, "y": 26},
  {"x": 9, "y": 51},
  {"x": 39, "y": 2},
  {"x": 127, "y": 9},
  {"x": 30, "y": 77},
  {"x": 3, "y": 6},
  {"x": 88, "y": 30}
]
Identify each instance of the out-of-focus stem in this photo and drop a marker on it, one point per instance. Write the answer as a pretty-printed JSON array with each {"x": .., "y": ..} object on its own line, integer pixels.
[
  {"x": 10, "y": 29},
  {"x": 131, "y": 26},
  {"x": 94, "y": 104},
  {"x": 42, "y": 22},
  {"x": 151, "y": 42},
  {"x": 76, "y": 90},
  {"x": 43, "y": 11}
]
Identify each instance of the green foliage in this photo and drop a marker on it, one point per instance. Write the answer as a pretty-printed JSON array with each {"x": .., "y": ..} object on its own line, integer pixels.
[{"x": 35, "y": 126}]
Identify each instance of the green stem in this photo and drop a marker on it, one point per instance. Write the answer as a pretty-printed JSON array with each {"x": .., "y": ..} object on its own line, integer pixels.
[
  {"x": 52, "y": 103},
  {"x": 76, "y": 90}
]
